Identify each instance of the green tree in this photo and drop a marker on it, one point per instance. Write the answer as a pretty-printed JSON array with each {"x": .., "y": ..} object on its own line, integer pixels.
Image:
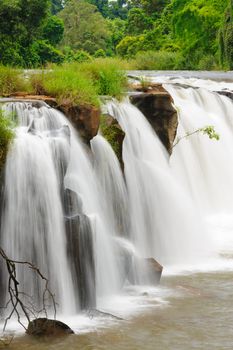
[
  {"x": 196, "y": 24},
  {"x": 102, "y": 6},
  {"x": 84, "y": 27},
  {"x": 151, "y": 7},
  {"x": 138, "y": 22},
  {"x": 226, "y": 38},
  {"x": 53, "y": 30}
]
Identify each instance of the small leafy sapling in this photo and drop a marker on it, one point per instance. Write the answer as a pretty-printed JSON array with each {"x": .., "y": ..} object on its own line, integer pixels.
[{"x": 208, "y": 130}]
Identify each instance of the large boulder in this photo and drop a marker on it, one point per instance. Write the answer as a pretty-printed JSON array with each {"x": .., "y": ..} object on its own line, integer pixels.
[
  {"x": 157, "y": 107},
  {"x": 85, "y": 119},
  {"x": 44, "y": 327}
]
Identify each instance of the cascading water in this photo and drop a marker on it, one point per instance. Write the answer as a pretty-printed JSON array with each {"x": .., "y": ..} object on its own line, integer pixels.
[
  {"x": 53, "y": 215},
  {"x": 91, "y": 230},
  {"x": 164, "y": 223},
  {"x": 201, "y": 163}
]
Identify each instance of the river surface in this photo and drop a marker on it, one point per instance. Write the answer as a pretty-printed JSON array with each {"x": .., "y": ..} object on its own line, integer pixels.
[{"x": 196, "y": 313}]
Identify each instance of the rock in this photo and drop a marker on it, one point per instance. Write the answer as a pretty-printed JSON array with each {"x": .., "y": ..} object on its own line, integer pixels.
[
  {"x": 36, "y": 100},
  {"x": 150, "y": 271},
  {"x": 159, "y": 111},
  {"x": 226, "y": 93},
  {"x": 154, "y": 270},
  {"x": 50, "y": 328},
  {"x": 85, "y": 119},
  {"x": 81, "y": 258},
  {"x": 114, "y": 134},
  {"x": 72, "y": 203}
]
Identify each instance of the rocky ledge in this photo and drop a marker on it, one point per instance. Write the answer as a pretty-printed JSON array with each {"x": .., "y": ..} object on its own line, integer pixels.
[
  {"x": 85, "y": 119},
  {"x": 157, "y": 106}
]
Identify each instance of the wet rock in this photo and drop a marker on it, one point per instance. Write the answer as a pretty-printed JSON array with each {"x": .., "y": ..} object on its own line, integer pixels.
[
  {"x": 150, "y": 271},
  {"x": 158, "y": 108},
  {"x": 81, "y": 258},
  {"x": 45, "y": 327},
  {"x": 85, "y": 119},
  {"x": 154, "y": 270},
  {"x": 226, "y": 93},
  {"x": 72, "y": 203},
  {"x": 114, "y": 134}
]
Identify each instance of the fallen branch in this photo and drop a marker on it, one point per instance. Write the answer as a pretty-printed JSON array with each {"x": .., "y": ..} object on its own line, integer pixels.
[{"x": 15, "y": 294}]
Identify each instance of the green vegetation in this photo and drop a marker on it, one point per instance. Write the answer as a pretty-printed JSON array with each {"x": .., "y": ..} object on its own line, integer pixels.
[
  {"x": 108, "y": 76},
  {"x": 81, "y": 83},
  {"x": 113, "y": 134},
  {"x": 177, "y": 34},
  {"x": 158, "y": 60},
  {"x": 6, "y": 136},
  {"x": 208, "y": 130},
  {"x": 11, "y": 80}
]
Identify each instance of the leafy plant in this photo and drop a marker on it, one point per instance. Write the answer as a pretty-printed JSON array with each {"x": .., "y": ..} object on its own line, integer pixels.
[
  {"x": 208, "y": 130},
  {"x": 6, "y": 136}
]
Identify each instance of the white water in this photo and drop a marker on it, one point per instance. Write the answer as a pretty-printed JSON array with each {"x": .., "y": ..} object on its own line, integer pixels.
[
  {"x": 177, "y": 210},
  {"x": 164, "y": 223}
]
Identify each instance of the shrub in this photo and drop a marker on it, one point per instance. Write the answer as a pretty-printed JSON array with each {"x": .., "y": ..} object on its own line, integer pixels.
[
  {"x": 82, "y": 56},
  {"x": 107, "y": 75},
  {"x": 99, "y": 53},
  {"x": 67, "y": 84},
  {"x": 48, "y": 53},
  {"x": 157, "y": 60},
  {"x": 207, "y": 63}
]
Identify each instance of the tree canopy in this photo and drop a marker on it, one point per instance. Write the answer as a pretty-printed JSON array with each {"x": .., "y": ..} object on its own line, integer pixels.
[{"x": 33, "y": 32}]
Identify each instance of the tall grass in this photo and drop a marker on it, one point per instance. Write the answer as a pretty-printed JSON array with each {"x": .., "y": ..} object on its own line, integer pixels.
[
  {"x": 82, "y": 83},
  {"x": 11, "y": 80},
  {"x": 66, "y": 84},
  {"x": 107, "y": 75},
  {"x": 157, "y": 60}
]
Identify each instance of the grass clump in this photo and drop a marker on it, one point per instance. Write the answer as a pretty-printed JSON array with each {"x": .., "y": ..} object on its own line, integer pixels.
[
  {"x": 11, "y": 81},
  {"x": 157, "y": 60},
  {"x": 107, "y": 75},
  {"x": 82, "y": 83},
  {"x": 6, "y": 136},
  {"x": 67, "y": 84}
]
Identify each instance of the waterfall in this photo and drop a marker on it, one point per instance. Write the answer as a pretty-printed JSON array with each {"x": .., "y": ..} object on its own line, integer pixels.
[
  {"x": 90, "y": 228},
  {"x": 164, "y": 223},
  {"x": 203, "y": 165},
  {"x": 55, "y": 215}
]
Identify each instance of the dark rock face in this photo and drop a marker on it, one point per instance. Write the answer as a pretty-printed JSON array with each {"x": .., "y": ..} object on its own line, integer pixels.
[
  {"x": 80, "y": 249},
  {"x": 159, "y": 111},
  {"x": 85, "y": 119},
  {"x": 44, "y": 327},
  {"x": 226, "y": 93}
]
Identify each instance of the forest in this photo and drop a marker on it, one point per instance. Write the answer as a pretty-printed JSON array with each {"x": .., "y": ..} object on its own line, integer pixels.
[{"x": 149, "y": 34}]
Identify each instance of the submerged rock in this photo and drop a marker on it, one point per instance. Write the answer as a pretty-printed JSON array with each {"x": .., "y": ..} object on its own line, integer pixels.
[{"x": 45, "y": 327}]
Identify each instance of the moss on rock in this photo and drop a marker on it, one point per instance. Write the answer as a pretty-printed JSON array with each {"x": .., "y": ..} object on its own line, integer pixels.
[{"x": 113, "y": 133}]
